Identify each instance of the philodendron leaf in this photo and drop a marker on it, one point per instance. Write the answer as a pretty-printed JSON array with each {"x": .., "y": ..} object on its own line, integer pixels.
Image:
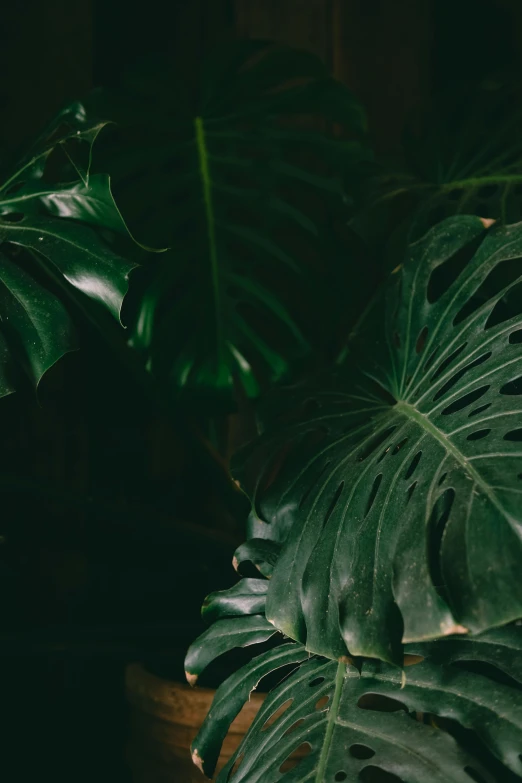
[
  {"x": 32, "y": 320},
  {"x": 77, "y": 253},
  {"x": 401, "y": 474},
  {"x": 223, "y": 636},
  {"x": 91, "y": 203},
  {"x": 329, "y": 721}
]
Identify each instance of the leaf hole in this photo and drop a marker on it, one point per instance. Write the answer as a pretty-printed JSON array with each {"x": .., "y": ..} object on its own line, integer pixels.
[
  {"x": 480, "y": 409},
  {"x": 446, "y": 273},
  {"x": 371, "y": 774},
  {"x": 294, "y": 726},
  {"x": 431, "y": 358},
  {"x": 458, "y": 375},
  {"x": 507, "y": 306},
  {"x": 442, "y": 479},
  {"x": 236, "y": 766},
  {"x": 295, "y": 757},
  {"x": 413, "y": 466},
  {"x": 373, "y": 493},
  {"x": 513, "y": 388},
  {"x": 500, "y": 277},
  {"x": 315, "y": 682},
  {"x": 421, "y": 340},
  {"x": 361, "y": 751},
  {"x": 474, "y": 775},
  {"x": 13, "y": 217},
  {"x": 313, "y": 484},
  {"x": 334, "y": 502},
  {"x": 277, "y": 714},
  {"x": 479, "y": 434},
  {"x": 515, "y": 337},
  {"x": 378, "y": 703},
  {"x": 374, "y": 444},
  {"x": 412, "y": 660},
  {"x": 463, "y": 402},
  {"x": 399, "y": 445},
  {"x": 514, "y": 435},
  {"x": 14, "y": 188},
  {"x": 322, "y": 702},
  {"x": 446, "y": 363},
  {"x": 438, "y": 519},
  {"x": 411, "y": 490},
  {"x": 340, "y": 776}
]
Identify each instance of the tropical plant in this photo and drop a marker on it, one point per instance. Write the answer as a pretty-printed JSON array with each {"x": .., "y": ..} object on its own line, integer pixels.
[
  {"x": 386, "y": 525},
  {"x": 462, "y": 155},
  {"x": 240, "y": 180},
  {"x": 50, "y": 250}
]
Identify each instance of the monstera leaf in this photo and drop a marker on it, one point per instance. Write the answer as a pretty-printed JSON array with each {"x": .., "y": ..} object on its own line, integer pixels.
[
  {"x": 453, "y": 713},
  {"x": 36, "y": 247},
  {"x": 465, "y": 156},
  {"x": 231, "y": 185},
  {"x": 394, "y": 485}
]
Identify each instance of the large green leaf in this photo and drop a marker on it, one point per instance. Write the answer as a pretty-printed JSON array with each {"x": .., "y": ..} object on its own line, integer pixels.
[
  {"x": 331, "y": 721},
  {"x": 39, "y": 247},
  {"x": 222, "y": 184},
  {"x": 397, "y": 481}
]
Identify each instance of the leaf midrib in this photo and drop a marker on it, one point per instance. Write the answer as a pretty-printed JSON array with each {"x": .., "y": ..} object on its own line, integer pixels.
[
  {"x": 206, "y": 184},
  {"x": 412, "y": 413},
  {"x": 332, "y": 719}
]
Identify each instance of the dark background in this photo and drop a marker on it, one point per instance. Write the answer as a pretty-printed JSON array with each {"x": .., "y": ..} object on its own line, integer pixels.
[{"x": 110, "y": 536}]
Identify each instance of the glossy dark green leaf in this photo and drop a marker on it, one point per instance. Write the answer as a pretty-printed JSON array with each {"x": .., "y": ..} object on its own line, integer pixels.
[
  {"x": 77, "y": 253},
  {"x": 222, "y": 637},
  {"x": 500, "y": 647},
  {"x": 36, "y": 329},
  {"x": 230, "y": 698},
  {"x": 401, "y": 473},
  {"x": 342, "y": 724},
  {"x": 261, "y": 552},
  {"x": 246, "y": 597},
  {"x": 91, "y": 203}
]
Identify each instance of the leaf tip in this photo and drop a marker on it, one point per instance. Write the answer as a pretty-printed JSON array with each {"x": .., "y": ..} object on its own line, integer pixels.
[
  {"x": 235, "y": 563},
  {"x": 197, "y": 760},
  {"x": 487, "y": 222},
  {"x": 191, "y": 678}
]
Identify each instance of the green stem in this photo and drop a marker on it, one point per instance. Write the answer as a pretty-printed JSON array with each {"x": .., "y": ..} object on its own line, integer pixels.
[
  {"x": 332, "y": 717},
  {"x": 477, "y": 182},
  {"x": 206, "y": 184}
]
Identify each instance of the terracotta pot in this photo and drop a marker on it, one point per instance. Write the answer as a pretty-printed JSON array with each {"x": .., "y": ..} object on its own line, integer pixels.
[{"x": 165, "y": 717}]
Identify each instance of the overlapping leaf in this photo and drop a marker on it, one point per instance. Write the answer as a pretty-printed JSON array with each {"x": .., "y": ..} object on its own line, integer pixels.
[
  {"x": 222, "y": 184},
  {"x": 331, "y": 721},
  {"x": 397, "y": 482}
]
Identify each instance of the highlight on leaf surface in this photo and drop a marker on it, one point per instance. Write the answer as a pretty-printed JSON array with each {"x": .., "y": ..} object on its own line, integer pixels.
[
  {"x": 397, "y": 480},
  {"x": 38, "y": 246}
]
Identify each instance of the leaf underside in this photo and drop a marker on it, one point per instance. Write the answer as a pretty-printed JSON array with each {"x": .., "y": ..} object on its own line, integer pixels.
[{"x": 396, "y": 484}]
